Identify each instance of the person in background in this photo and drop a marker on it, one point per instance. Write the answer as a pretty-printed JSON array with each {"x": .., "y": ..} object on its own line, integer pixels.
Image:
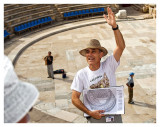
[
  {"x": 19, "y": 97},
  {"x": 49, "y": 62},
  {"x": 130, "y": 85}
]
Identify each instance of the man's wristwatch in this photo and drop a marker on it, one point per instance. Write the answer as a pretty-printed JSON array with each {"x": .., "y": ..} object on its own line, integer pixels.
[{"x": 115, "y": 28}]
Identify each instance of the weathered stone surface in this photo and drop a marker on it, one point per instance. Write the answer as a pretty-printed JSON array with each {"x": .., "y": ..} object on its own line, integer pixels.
[
  {"x": 150, "y": 10},
  {"x": 145, "y": 9},
  {"x": 67, "y": 116},
  {"x": 122, "y": 14},
  {"x": 61, "y": 103},
  {"x": 154, "y": 13}
]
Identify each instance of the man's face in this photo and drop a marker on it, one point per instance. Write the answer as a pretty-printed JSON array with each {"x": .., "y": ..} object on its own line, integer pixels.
[
  {"x": 93, "y": 56},
  {"x": 49, "y": 53}
]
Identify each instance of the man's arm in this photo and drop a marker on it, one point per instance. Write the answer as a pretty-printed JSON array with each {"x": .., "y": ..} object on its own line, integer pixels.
[
  {"x": 120, "y": 44},
  {"x": 78, "y": 103},
  {"x": 45, "y": 58},
  {"x": 127, "y": 84}
]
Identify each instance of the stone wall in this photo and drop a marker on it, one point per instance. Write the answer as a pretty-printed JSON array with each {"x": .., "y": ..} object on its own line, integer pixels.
[{"x": 146, "y": 8}]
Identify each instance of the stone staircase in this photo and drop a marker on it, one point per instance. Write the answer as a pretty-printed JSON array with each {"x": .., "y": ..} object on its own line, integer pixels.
[
  {"x": 54, "y": 114},
  {"x": 58, "y": 17}
]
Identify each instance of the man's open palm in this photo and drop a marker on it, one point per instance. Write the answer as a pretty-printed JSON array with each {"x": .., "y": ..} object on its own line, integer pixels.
[{"x": 110, "y": 18}]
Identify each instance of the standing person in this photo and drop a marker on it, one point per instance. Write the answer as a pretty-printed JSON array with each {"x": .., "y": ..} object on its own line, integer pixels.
[
  {"x": 98, "y": 72},
  {"x": 19, "y": 97},
  {"x": 130, "y": 85},
  {"x": 49, "y": 62}
]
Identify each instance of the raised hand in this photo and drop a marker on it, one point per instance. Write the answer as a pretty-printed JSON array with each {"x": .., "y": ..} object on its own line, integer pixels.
[{"x": 110, "y": 18}]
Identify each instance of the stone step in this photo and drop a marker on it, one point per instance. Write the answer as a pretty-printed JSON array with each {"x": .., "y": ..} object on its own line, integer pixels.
[
  {"x": 50, "y": 110},
  {"x": 37, "y": 116}
]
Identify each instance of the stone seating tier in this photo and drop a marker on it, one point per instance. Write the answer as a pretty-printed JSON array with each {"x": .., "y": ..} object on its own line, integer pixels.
[
  {"x": 82, "y": 6},
  {"x": 65, "y": 5},
  {"x": 13, "y": 6},
  {"x": 78, "y": 9},
  {"x": 17, "y": 21},
  {"x": 33, "y": 24},
  {"x": 6, "y": 34},
  {"x": 26, "y": 12},
  {"x": 22, "y": 8}
]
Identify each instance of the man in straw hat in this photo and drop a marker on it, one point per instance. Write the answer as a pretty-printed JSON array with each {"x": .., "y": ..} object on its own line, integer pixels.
[
  {"x": 98, "y": 74},
  {"x": 19, "y": 97}
]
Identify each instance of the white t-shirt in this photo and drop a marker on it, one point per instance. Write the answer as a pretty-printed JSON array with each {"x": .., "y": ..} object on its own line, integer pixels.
[{"x": 85, "y": 78}]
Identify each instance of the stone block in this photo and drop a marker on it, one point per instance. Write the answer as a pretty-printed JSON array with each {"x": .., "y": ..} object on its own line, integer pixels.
[
  {"x": 145, "y": 9},
  {"x": 68, "y": 116},
  {"x": 61, "y": 103},
  {"x": 154, "y": 13},
  {"x": 150, "y": 10},
  {"x": 122, "y": 14},
  {"x": 148, "y": 16},
  {"x": 47, "y": 96},
  {"x": 45, "y": 106},
  {"x": 53, "y": 111},
  {"x": 117, "y": 6},
  {"x": 152, "y": 5},
  {"x": 80, "y": 119}
]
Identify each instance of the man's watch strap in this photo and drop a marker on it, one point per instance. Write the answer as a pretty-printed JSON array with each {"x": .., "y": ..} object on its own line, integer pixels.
[{"x": 115, "y": 28}]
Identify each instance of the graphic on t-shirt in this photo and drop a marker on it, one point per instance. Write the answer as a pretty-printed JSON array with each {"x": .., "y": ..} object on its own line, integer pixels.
[
  {"x": 103, "y": 83},
  {"x": 101, "y": 99}
]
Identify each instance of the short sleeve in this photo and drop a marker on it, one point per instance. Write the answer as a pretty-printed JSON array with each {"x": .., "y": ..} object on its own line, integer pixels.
[
  {"x": 112, "y": 63},
  {"x": 77, "y": 83},
  {"x": 129, "y": 81}
]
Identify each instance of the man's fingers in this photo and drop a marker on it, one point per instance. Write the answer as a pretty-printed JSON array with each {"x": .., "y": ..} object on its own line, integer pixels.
[
  {"x": 113, "y": 15},
  {"x": 106, "y": 17},
  {"x": 101, "y": 111},
  {"x": 108, "y": 10},
  {"x": 102, "y": 114}
]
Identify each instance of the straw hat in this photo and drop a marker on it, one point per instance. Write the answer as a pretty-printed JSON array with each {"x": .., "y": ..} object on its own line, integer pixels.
[
  {"x": 19, "y": 97},
  {"x": 93, "y": 43}
]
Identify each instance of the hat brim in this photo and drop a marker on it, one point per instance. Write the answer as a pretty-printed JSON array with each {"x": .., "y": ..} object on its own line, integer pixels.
[
  {"x": 18, "y": 102},
  {"x": 104, "y": 50}
]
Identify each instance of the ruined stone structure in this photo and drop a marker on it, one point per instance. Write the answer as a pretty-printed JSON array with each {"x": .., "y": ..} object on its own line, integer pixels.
[{"x": 146, "y": 8}]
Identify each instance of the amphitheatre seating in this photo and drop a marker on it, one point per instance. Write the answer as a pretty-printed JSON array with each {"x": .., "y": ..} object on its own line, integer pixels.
[
  {"x": 13, "y": 6},
  {"x": 32, "y": 24},
  {"x": 83, "y": 12},
  {"x": 80, "y": 10},
  {"x": 16, "y": 15},
  {"x": 6, "y": 34},
  {"x": 24, "y": 17},
  {"x": 23, "y": 11}
]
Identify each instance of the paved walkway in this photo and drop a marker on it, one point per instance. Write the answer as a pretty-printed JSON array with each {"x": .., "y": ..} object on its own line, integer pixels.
[{"x": 55, "y": 95}]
